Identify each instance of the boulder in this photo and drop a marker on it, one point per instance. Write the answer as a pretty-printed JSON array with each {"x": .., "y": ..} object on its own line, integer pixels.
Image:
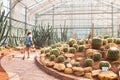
[
  {"x": 107, "y": 75},
  {"x": 88, "y": 69},
  {"x": 50, "y": 64},
  {"x": 90, "y": 52},
  {"x": 78, "y": 71},
  {"x": 79, "y": 58},
  {"x": 68, "y": 65},
  {"x": 68, "y": 71},
  {"x": 96, "y": 72},
  {"x": 59, "y": 66},
  {"x": 69, "y": 55},
  {"x": 88, "y": 75}
]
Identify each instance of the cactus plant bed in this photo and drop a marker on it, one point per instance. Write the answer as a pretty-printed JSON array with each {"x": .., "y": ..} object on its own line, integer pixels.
[{"x": 86, "y": 63}]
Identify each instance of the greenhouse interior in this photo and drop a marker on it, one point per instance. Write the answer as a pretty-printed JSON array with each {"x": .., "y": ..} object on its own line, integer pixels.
[{"x": 59, "y": 39}]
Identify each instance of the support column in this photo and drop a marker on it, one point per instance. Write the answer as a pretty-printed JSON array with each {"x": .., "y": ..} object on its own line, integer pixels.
[{"x": 25, "y": 20}]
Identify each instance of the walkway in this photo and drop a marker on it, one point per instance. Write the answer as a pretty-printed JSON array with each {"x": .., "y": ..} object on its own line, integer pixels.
[{"x": 19, "y": 69}]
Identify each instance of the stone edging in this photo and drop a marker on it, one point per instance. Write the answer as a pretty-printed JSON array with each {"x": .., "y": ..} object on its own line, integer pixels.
[{"x": 55, "y": 73}]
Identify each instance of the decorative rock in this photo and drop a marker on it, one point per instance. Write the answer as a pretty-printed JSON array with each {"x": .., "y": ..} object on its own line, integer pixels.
[
  {"x": 50, "y": 64},
  {"x": 88, "y": 75},
  {"x": 78, "y": 71},
  {"x": 68, "y": 71},
  {"x": 69, "y": 65},
  {"x": 79, "y": 58},
  {"x": 96, "y": 72},
  {"x": 107, "y": 75},
  {"x": 59, "y": 66},
  {"x": 72, "y": 61},
  {"x": 88, "y": 69},
  {"x": 69, "y": 55},
  {"x": 90, "y": 52}
]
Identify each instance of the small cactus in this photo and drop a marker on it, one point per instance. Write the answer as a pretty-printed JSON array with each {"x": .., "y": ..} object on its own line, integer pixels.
[
  {"x": 97, "y": 56},
  {"x": 77, "y": 64},
  {"x": 47, "y": 54},
  {"x": 55, "y": 52},
  {"x": 106, "y": 36},
  {"x": 105, "y": 41},
  {"x": 89, "y": 62},
  {"x": 110, "y": 40},
  {"x": 60, "y": 58},
  {"x": 65, "y": 45},
  {"x": 97, "y": 43},
  {"x": 65, "y": 49},
  {"x": 81, "y": 42},
  {"x": 104, "y": 64},
  {"x": 47, "y": 50},
  {"x": 113, "y": 53},
  {"x": 81, "y": 48},
  {"x": 71, "y": 42},
  {"x": 72, "y": 50},
  {"x": 118, "y": 41},
  {"x": 58, "y": 45},
  {"x": 42, "y": 50},
  {"x": 52, "y": 57},
  {"x": 75, "y": 46}
]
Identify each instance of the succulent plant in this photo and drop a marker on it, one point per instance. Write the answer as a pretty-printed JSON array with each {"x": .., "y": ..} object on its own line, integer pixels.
[
  {"x": 52, "y": 57},
  {"x": 65, "y": 45},
  {"x": 81, "y": 48},
  {"x": 97, "y": 43},
  {"x": 113, "y": 53},
  {"x": 42, "y": 50},
  {"x": 81, "y": 42},
  {"x": 72, "y": 50},
  {"x": 77, "y": 64},
  {"x": 60, "y": 58},
  {"x": 53, "y": 46},
  {"x": 65, "y": 49},
  {"x": 71, "y": 42},
  {"x": 67, "y": 61},
  {"x": 104, "y": 64},
  {"x": 89, "y": 62},
  {"x": 47, "y": 49},
  {"x": 75, "y": 46},
  {"x": 58, "y": 44},
  {"x": 110, "y": 40},
  {"x": 118, "y": 41},
  {"x": 47, "y": 54},
  {"x": 106, "y": 36},
  {"x": 97, "y": 56},
  {"x": 105, "y": 41},
  {"x": 55, "y": 52}
]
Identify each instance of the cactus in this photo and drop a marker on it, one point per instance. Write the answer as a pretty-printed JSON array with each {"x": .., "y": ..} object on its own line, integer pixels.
[
  {"x": 65, "y": 49},
  {"x": 118, "y": 41},
  {"x": 47, "y": 54},
  {"x": 106, "y": 36},
  {"x": 96, "y": 43},
  {"x": 55, "y": 52},
  {"x": 110, "y": 40},
  {"x": 81, "y": 42},
  {"x": 58, "y": 45},
  {"x": 47, "y": 50},
  {"x": 4, "y": 29},
  {"x": 113, "y": 53},
  {"x": 65, "y": 45},
  {"x": 77, "y": 64},
  {"x": 97, "y": 56},
  {"x": 104, "y": 64},
  {"x": 75, "y": 46},
  {"x": 89, "y": 62},
  {"x": 72, "y": 50},
  {"x": 81, "y": 48},
  {"x": 60, "y": 58},
  {"x": 71, "y": 42},
  {"x": 105, "y": 41},
  {"x": 52, "y": 57},
  {"x": 67, "y": 61}
]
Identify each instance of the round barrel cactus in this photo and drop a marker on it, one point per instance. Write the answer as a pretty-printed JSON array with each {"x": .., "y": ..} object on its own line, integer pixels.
[
  {"x": 55, "y": 52},
  {"x": 104, "y": 64},
  {"x": 81, "y": 42},
  {"x": 113, "y": 53},
  {"x": 96, "y": 43},
  {"x": 89, "y": 62},
  {"x": 65, "y": 49},
  {"x": 110, "y": 40},
  {"x": 60, "y": 58},
  {"x": 81, "y": 48},
  {"x": 52, "y": 57},
  {"x": 72, "y": 50},
  {"x": 72, "y": 41},
  {"x": 75, "y": 46},
  {"x": 105, "y": 41},
  {"x": 97, "y": 56}
]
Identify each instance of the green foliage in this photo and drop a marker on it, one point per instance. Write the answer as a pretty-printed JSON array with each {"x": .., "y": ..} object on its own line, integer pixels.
[
  {"x": 72, "y": 50},
  {"x": 75, "y": 46},
  {"x": 104, "y": 64},
  {"x": 4, "y": 28},
  {"x": 96, "y": 43},
  {"x": 65, "y": 49},
  {"x": 97, "y": 56},
  {"x": 81, "y": 48},
  {"x": 54, "y": 52},
  {"x": 71, "y": 42},
  {"x": 113, "y": 53},
  {"x": 52, "y": 57},
  {"x": 60, "y": 58},
  {"x": 89, "y": 62},
  {"x": 110, "y": 40}
]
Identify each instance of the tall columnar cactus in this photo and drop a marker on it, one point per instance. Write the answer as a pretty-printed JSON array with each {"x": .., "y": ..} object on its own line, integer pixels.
[
  {"x": 4, "y": 29},
  {"x": 104, "y": 64},
  {"x": 89, "y": 62},
  {"x": 97, "y": 56},
  {"x": 97, "y": 43},
  {"x": 113, "y": 53}
]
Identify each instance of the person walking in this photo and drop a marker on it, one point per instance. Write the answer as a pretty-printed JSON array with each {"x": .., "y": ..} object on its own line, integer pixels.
[{"x": 28, "y": 43}]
